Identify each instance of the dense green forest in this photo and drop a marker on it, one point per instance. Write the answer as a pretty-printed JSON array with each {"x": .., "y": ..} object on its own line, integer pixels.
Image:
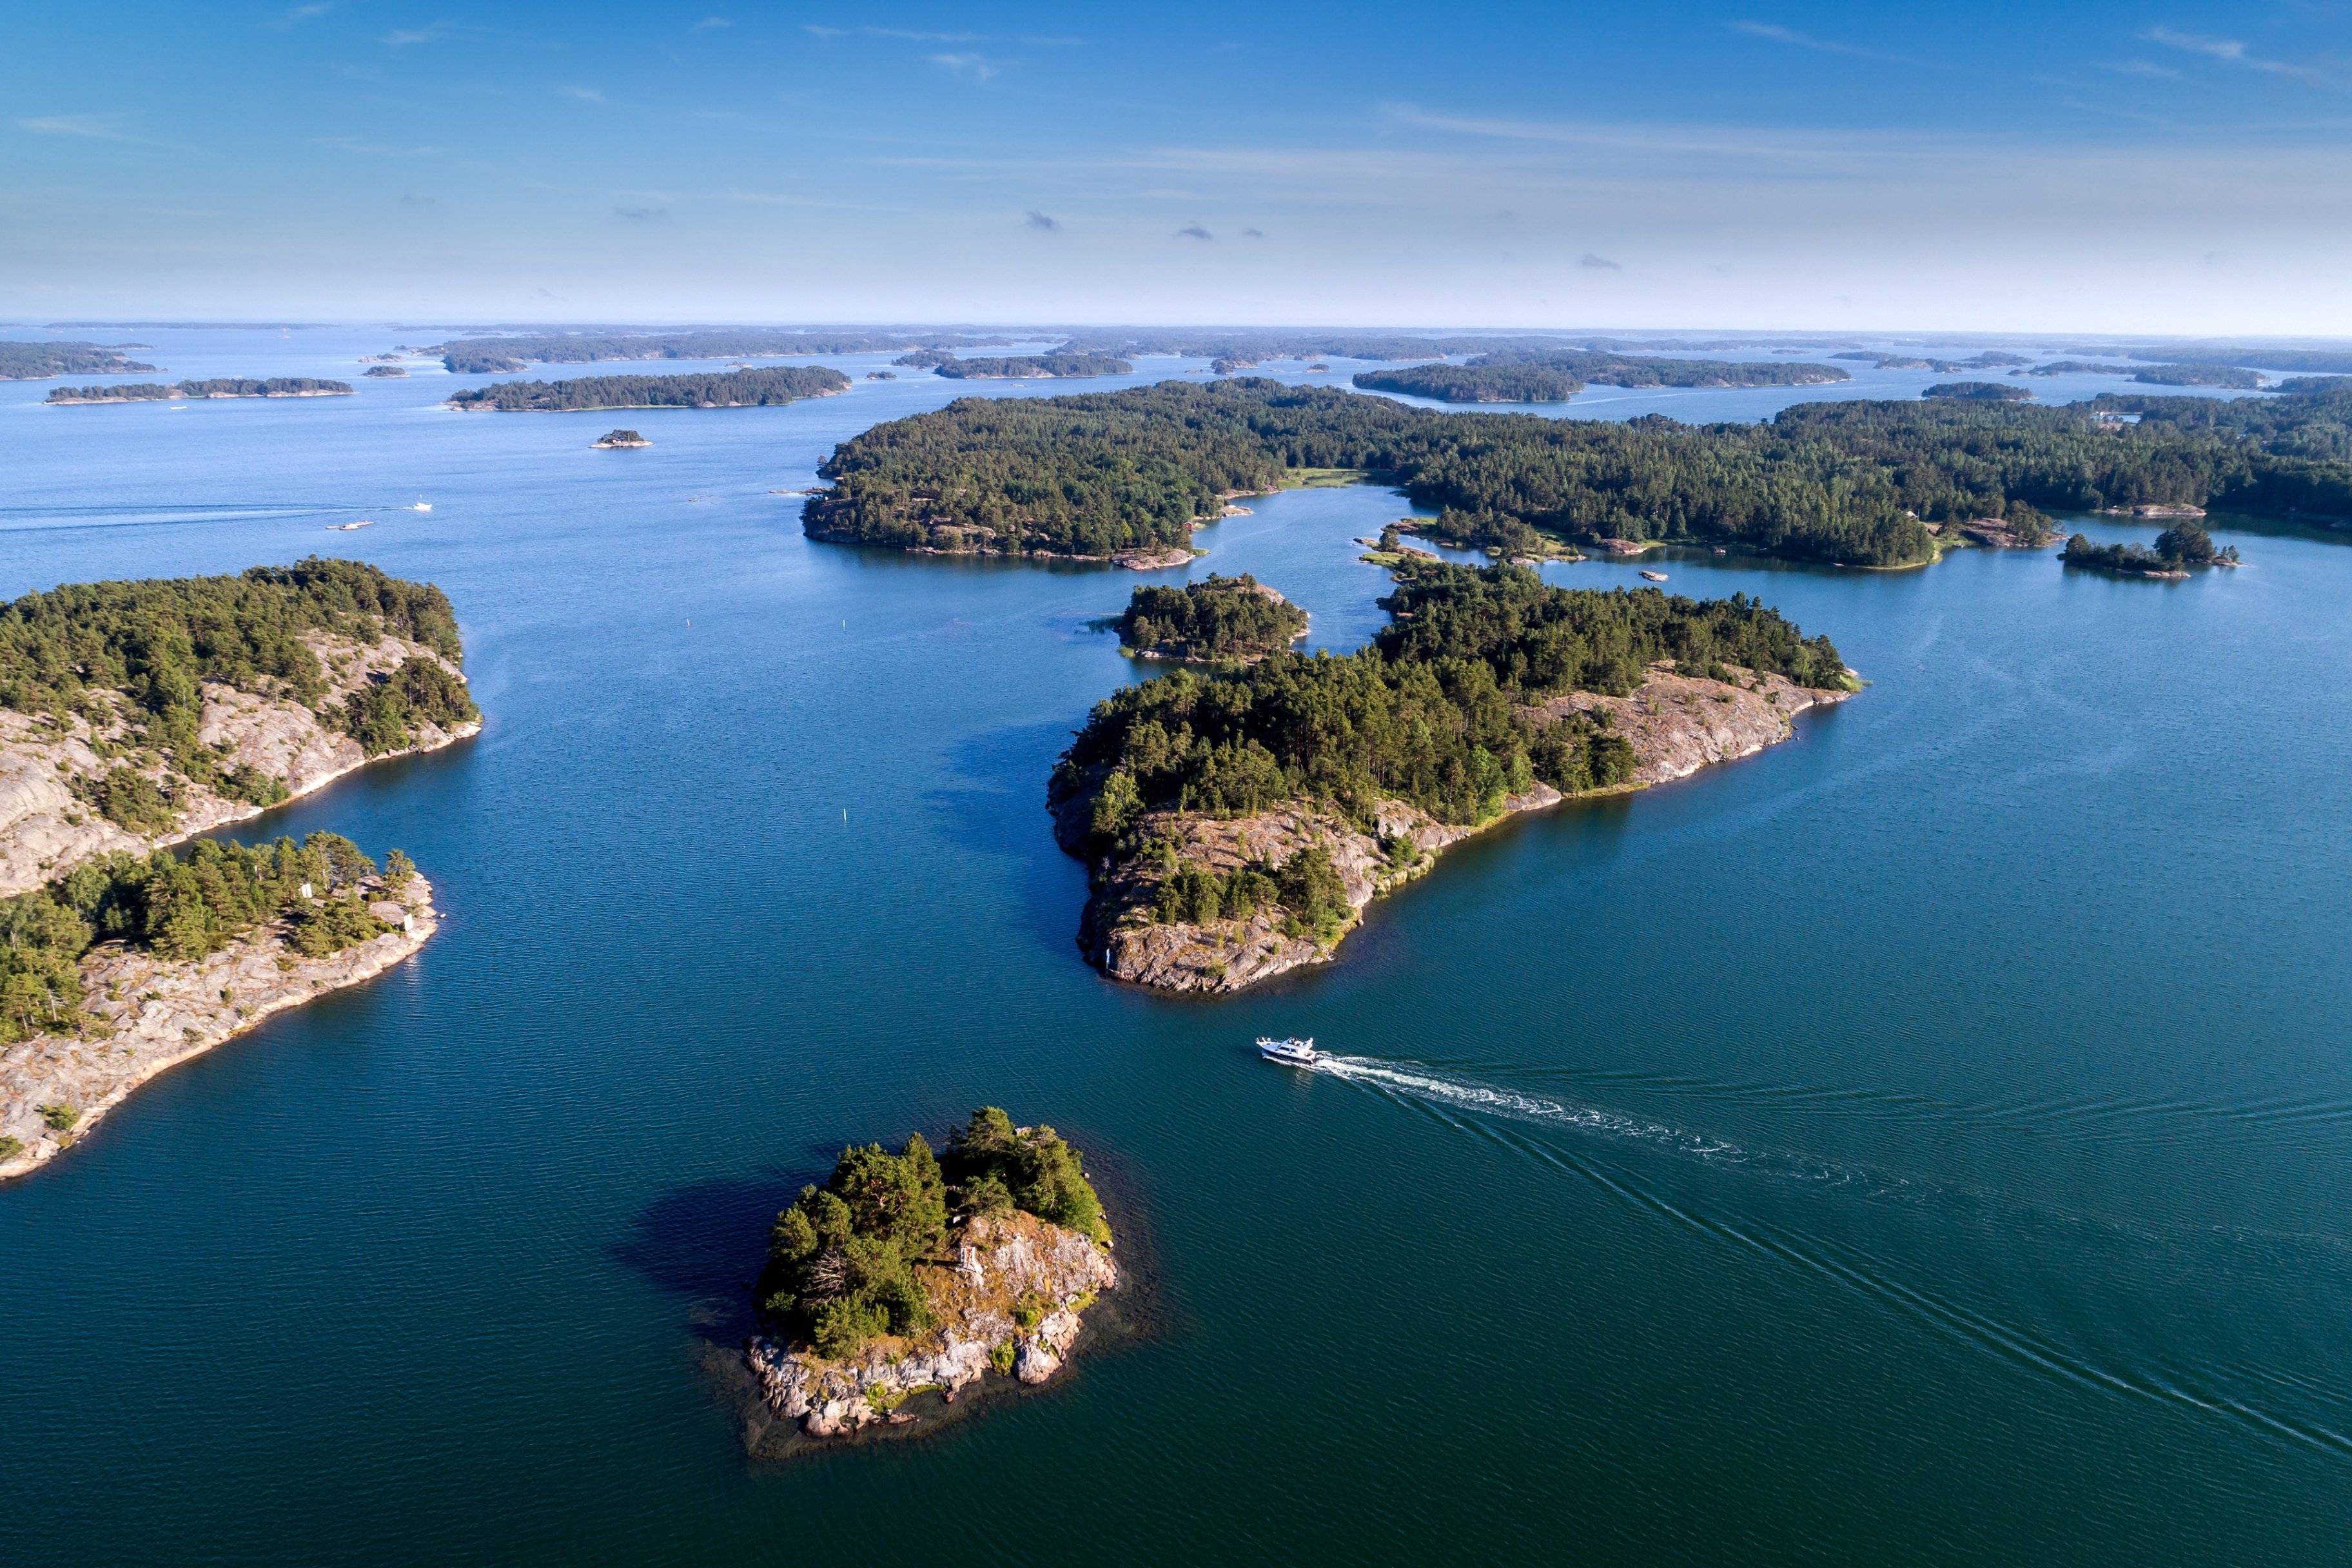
[
  {"x": 156, "y": 642},
  {"x": 1215, "y": 619},
  {"x": 2319, "y": 362},
  {"x": 1429, "y": 712},
  {"x": 179, "y": 905},
  {"x": 2308, "y": 419},
  {"x": 1018, "y": 367},
  {"x": 485, "y": 357},
  {"x": 219, "y": 386},
  {"x": 1979, "y": 392},
  {"x": 1842, "y": 481},
  {"x": 700, "y": 389},
  {"x": 841, "y": 1259},
  {"x": 1475, "y": 383},
  {"x": 38, "y": 362},
  {"x": 1991, "y": 359}
]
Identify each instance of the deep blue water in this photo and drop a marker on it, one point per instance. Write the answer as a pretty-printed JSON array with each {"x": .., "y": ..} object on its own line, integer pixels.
[{"x": 1926, "y": 1142}]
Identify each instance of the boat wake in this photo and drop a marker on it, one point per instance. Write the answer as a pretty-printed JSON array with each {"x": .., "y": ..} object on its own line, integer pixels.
[{"x": 1989, "y": 1301}]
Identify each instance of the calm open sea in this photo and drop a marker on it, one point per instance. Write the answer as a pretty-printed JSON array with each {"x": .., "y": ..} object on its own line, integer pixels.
[{"x": 1929, "y": 1141}]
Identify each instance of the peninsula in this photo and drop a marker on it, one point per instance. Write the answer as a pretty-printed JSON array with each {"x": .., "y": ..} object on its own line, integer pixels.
[
  {"x": 706, "y": 389},
  {"x": 909, "y": 1278},
  {"x": 42, "y": 360},
  {"x": 1129, "y": 474},
  {"x": 1219, "y": 620},
  {"x": 137, "y": 715},
  {"x": 224, "y": 386},
  {"x": 1235, "y": 823}
]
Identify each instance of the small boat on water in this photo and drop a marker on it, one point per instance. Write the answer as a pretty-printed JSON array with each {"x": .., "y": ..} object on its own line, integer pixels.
[
  {"x": 1289, "y": 1053},
  {"x": 422, "y": 506},
  {"x": 1656, "y": 576},
  {"x": 349, "y": 527}
]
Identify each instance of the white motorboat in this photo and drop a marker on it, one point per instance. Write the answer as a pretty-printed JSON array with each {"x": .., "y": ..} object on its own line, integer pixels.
[{"x": 1289, "y": 1053}]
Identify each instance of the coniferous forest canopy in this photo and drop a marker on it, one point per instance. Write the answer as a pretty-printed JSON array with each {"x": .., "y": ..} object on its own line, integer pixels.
[
  {"x": 701, "y": 389},
  {"x": 1015, "y": 367},
  {"x": 1431, "y": 711},
  {"x": 71, "y": 650},
  {"x": 40, "y": 362},
  {"x": 218, "y": 387},
  {"x": 1215, "y": 618},
  {"x": 1529, "y": 376},
  {"x": 178, "y": 905},
  {"x": 1845, "y": 481},
  {"x": 841, "y": 1259}
]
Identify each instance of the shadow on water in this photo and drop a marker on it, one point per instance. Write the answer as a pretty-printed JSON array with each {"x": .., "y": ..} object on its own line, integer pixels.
[{"x": 999, "y": 809}]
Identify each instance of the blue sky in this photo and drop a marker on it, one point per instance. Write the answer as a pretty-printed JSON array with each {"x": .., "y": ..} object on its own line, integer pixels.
[{"x": 2093, "y": 167}]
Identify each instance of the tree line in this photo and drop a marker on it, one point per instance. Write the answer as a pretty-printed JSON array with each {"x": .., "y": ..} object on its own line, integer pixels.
[
  {"x": 700, "y": 389},
  {"x": 1215, "y": 619}
]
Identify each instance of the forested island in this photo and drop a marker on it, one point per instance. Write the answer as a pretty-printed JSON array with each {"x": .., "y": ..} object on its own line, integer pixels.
[
  {"x": 386, "y": 372},
  {"x": 2227, "y": 375},
  {"x": 619, "y": 439},
  {"x": 1028, "y": 367},
  {"x": 1857, "y": 482},
  {"x": 1475, "y": 383},
  {"x": 133, "y": 715},
  {"x": 1979, "y": 392},
  {"x": 221, "y": 386},
  {"x": 40, "y": 361},
  {"x": 1234, "y": 822},
  {"x": 1555, "y": 375},
  {"x": 495, "y": 355},
  {"x": 2178, "y": 548},
  {"x": 1217, "y": 620},
  {"x": 912, "y": 1274},
  {"x": 702, "y": 389},
  {"x": 1989, "y": 361}
]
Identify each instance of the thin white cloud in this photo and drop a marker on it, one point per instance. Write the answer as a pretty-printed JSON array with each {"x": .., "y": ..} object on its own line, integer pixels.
[
  {"x": 973, "y": 67},
  {"x": 2229, "y": 51},
  {"x": 584, "y": 94},
  {"x": 915, "y": 36},
  {"x": 375, "y": 149},
  {"x": 1796, "y": 40},
  {"x": 403, "y": 37},
  {"x": 2148, "y": 68},
  {"x": 707, "y": 23},
  {"x": 304, "y": 13},
  {"x": 95, "y": 127},
  {"x": 814, "y": 30}
]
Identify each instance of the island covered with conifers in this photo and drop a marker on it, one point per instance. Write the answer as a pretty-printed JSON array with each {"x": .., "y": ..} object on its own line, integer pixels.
[
  {"x": 134, "y": 715},
  {"x": 42, "y": 360},
  {"x": 907, "y": 1278},
  {"x": 514, "y": 352},
  {"x": 1234, "y": 822},
  {"x": 218, "y": 387},
  {"x": 1880, "y": 483},
  {"x": 704, "y": 389},
  {"x": 2178, "y": 548},
  {"x": 1979, "y": 392},
  {"x": 1031, "y": 367},
  {"x": 1217, "y": 620},
  {"x": 1555, "y": 375}
]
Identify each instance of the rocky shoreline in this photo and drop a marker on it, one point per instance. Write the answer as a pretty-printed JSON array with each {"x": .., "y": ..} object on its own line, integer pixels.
[
  {"x": 1011, "y": 1302},
  {"x": 46, "y": 828},
  {"x": 1675, "y": 723},
  {"x": 155, "y": 1015}
]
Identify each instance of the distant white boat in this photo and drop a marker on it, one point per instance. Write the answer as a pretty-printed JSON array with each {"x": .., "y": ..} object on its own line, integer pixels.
[
  {"x": 1656, "y": 576},
  {"x": 1289, "y": 1053},
  {"x": 348, "y": 527},
  {"x": 422, "y": 506}
]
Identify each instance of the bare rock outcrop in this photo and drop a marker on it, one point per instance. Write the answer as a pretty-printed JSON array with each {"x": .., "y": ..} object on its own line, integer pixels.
[
  {"x": 154, "y": 1014},
  {"x": 1011, "y": 1301},
  {"x": 1675, "y": 723},
  {"x": 46, "y": 828}
]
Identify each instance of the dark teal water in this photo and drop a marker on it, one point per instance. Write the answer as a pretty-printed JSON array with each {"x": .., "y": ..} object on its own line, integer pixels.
[{"x": 1926, "y": 1142}]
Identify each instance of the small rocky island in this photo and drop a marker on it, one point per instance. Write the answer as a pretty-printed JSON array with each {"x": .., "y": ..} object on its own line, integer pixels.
[
  {"x": 1979, "y": 392},
  {"x": 137, "y": 715},
  {"x": 386, "y": 372},
  {"x": 2183, "y": 545},
  {"x": 908, "y": 1278},
  {"x": 613, "y": 439},
  {"x": 1219, "y": 620},
  {"x": 1236, "y": 823}
]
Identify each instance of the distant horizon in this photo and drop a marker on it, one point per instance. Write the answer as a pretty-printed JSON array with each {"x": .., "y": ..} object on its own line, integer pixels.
[{"x": 1042, "y": 330}]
